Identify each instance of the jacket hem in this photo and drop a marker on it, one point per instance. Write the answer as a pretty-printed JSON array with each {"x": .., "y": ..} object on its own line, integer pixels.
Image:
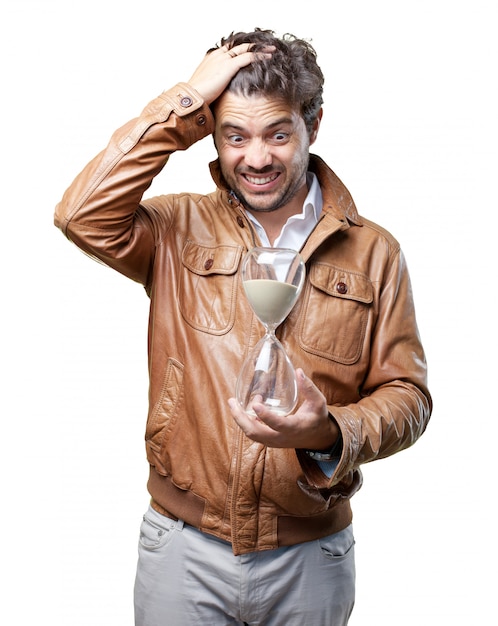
[{"x": 176, "y": 503}]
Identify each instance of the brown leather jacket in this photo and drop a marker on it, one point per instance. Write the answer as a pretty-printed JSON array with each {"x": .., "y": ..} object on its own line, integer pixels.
[{"x": 353, "y": 332}]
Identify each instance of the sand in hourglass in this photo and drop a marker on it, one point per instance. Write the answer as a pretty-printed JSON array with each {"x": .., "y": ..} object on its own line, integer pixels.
[{"x": 271, "y": 300}]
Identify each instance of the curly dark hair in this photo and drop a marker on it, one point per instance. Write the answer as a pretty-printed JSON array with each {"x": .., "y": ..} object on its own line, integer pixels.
[{"x": 291, "y": 73}]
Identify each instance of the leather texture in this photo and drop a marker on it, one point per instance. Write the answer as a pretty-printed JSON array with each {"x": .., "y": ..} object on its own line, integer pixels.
[{"x": 353, "y": 331}]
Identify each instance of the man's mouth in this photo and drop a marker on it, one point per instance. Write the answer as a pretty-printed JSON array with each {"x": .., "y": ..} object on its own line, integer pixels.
[{"x": 261, "y": 180}]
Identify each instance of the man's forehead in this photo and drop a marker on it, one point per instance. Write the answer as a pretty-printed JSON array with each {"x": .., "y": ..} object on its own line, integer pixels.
[{"x": 234, "y": 108}]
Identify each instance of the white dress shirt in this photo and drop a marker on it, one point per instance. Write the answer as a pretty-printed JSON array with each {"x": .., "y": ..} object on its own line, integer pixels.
[{"x": 297, "y": 228}]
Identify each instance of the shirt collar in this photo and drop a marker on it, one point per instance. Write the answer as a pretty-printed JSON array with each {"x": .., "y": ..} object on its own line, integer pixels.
[
  {"x": 313, "y": 202},
  {"x": 298, "y": 227}
]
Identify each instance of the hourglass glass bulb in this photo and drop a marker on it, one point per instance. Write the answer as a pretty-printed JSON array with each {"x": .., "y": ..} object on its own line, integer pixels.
[
  {"x": 267, "y": 377},
  {"x": 272, "y": 278}
]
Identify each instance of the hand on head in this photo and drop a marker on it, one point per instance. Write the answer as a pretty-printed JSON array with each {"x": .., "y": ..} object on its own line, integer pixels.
[{"x": 220, "y": 65}]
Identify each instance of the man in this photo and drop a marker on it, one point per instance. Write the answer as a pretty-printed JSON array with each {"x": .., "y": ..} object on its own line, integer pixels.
[{"x": 250, "y": 517}]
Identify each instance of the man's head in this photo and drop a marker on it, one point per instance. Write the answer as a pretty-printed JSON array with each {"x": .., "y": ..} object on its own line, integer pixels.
[
  {"x": 291, "y": 73},
  {"x": 266, "y": 120}
]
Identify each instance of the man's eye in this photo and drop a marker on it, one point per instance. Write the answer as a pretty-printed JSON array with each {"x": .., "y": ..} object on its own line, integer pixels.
[
  {"x": 280, "y": 137},
  {"x": 235, "y": 139}
]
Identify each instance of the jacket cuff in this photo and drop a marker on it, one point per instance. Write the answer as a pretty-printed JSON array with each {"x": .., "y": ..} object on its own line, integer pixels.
[{"x": 185, "y": 100}]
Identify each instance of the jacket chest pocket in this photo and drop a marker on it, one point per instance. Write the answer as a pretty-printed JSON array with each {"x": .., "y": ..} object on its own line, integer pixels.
[
  {"x": 207, "y": 286},
  {"x": 336, "y": 313}
]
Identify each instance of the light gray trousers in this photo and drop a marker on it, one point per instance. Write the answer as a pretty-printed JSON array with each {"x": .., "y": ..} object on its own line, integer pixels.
[{"x": 186, "y": 578}]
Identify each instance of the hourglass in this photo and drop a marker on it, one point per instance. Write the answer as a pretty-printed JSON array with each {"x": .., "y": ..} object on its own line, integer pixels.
[{"x": 272, "y": 280}]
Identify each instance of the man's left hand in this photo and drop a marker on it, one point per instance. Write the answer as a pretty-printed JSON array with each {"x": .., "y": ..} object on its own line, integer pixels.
[{"x": 309, "y": 427}]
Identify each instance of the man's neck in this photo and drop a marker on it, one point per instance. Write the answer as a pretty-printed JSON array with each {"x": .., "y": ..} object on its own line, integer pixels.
[{"x": 274, "y": 221}]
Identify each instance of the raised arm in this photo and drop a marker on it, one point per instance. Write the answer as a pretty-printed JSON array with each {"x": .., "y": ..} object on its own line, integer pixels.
[{"x": 100, "y": 211}]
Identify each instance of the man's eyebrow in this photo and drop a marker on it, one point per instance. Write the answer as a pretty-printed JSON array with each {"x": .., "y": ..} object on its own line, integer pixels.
[{"x": 279, "y": 122}]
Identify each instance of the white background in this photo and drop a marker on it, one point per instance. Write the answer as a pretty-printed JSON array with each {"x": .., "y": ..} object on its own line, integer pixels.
[{"x": 410, "y": 127}]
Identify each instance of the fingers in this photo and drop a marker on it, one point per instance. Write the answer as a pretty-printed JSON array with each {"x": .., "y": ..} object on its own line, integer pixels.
[
  {"x": 244, "y": 48},
  {"x": 308, "y": 427},
  {"x": 233, "y": 59},
  {"x": 263, "y": 425},
  {"x": 219, "y": 66},
  {"x": 252, "y": 425},
  {"x": 236, "y": 50},
  {"x": 309, "y": 392}
]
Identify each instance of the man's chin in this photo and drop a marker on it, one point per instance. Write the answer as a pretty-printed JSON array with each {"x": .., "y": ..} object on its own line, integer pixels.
[{"x": 258, "y": 204}]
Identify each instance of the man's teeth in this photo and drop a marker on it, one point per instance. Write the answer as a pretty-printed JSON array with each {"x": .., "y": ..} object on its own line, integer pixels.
[{"x": 260, "y": 181}]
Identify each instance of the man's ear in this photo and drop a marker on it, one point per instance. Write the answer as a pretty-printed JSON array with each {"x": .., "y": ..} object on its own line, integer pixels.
[{"x": 316, "y": 126}]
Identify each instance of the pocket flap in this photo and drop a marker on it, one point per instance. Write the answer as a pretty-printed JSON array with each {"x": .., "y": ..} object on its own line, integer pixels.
[
  {"x": 205, "y": 260},
  {"x": 341, "y": 283}
]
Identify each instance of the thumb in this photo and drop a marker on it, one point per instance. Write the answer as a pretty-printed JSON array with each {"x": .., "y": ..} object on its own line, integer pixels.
[{"x": 307, "y": 388}]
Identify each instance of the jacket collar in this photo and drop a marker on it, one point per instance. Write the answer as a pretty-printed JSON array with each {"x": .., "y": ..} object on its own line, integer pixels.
[{"x": 337, "y": 200}]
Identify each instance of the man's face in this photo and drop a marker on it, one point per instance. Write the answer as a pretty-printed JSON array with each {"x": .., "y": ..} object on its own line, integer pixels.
[{"x": 263, "y": 148}]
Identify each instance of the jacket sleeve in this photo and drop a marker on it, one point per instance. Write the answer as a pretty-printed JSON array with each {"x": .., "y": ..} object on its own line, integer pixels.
[
  {"x": 100, "y": 212},
  {"x": 395, "y": 404}
]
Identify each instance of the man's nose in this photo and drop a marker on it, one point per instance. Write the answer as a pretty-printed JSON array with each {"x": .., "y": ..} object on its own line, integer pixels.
[{"x": 257, "y": 155}]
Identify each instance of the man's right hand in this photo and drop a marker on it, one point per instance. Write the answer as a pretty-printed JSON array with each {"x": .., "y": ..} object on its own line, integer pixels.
[{"x": 218, "y": 68}]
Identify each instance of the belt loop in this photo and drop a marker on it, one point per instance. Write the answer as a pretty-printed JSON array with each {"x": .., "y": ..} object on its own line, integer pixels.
[{"x": 178, "y": 525}]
